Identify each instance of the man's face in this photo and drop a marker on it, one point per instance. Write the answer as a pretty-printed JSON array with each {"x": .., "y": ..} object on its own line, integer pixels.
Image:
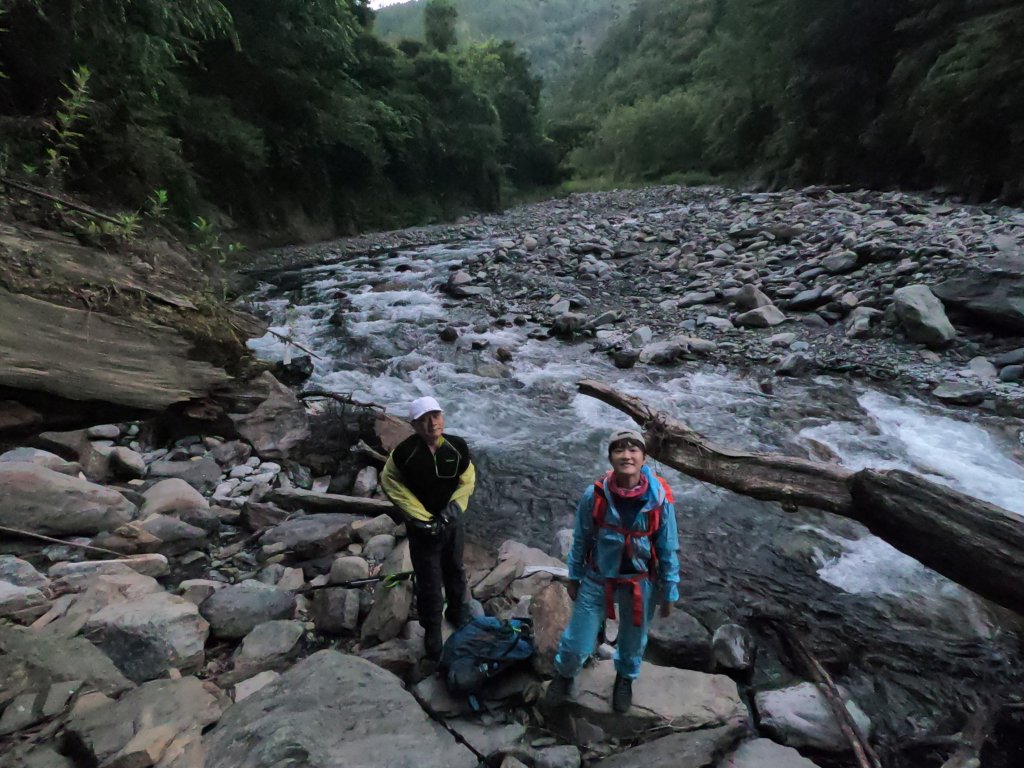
[
  {"x": 626, "y": 458},
  {"x": 429, "y": 426}
]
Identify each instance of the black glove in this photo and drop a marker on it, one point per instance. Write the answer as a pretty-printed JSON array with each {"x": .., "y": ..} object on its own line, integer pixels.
[
  {"x": 423, "y": 527},
  {"x": 450, "y": 514}
]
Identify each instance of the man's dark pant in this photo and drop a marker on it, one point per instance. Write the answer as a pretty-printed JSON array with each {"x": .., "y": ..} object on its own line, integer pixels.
[{"x": 437, "y": 561}]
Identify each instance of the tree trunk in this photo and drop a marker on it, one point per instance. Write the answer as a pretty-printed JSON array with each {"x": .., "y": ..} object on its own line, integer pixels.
[{"x": 971, "y": 542}]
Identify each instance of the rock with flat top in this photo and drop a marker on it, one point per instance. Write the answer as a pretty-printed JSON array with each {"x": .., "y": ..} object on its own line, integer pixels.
[
  {"x": 800, "y": 716},
  {"x": 172, "y": 496},
  {"x": 235, "y": 610},
  {"x": 332, "y": 710},
  {"x": 690, "y": 749},
  {"x": 765, "y": 753},
  {"x": 278, "y": 424}
]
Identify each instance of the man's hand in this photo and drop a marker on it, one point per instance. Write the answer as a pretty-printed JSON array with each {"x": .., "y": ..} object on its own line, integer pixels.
[
  {"x": 666, "y": 610},
  {"x": 450, "y": 514},
  {"x": 422, "y": 527},
  {"x": 573, "y": 588}
]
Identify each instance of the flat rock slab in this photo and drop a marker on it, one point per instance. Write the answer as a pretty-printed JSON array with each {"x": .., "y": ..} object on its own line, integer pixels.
[
  {"x": 312, "y": 536},
  {"x": 236, "y": 610},
  {"x": 691, "y": 749},
  {"x": 765, "y": 753},
  {"x": 311, "y": 501},
  {"x": 331, "y": 710},
  {"x": 116, "y": 361},
  {"x": 663, "y": 696}
]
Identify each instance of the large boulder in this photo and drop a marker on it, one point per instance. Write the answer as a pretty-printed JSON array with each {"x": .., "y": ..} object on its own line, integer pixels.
[
  {"x": 922, "y": 316},
  {"x": 679, "y": 641},
  {"x": 159, "y": 724},
  {"x": 148, "y": 636},
  {"x": 277, "y": 424},
  {"x": 765, "y": 753},
  {"x": 203, "y": 474},
  {"x": 663, "y": 696},
  {"x": 172, "y": 497},
  {"x": 990, "y": 291},
  {"x": 272, "y": 645},
  {"x": 39, "y": 500},
  {"x": 312, "y": 536},
  {"x": 550, "y": 610},
  {"x": 43, "y": 458},
  {"x": 330, "y": 710}
]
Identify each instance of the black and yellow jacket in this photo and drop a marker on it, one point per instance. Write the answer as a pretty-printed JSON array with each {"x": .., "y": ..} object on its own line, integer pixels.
[{"x": 421, "y": 483}]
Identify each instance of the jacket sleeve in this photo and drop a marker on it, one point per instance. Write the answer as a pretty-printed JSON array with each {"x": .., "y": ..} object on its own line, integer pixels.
[
  {"x": 666, "y": 543},
  {"x": 399, "y": 493},
  {"x": 467, "y": 484},
  {"x": 582, "y": 536}
]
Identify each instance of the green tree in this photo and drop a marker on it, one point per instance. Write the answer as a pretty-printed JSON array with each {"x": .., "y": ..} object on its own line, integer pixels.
[{"x": 439, "y": 17}]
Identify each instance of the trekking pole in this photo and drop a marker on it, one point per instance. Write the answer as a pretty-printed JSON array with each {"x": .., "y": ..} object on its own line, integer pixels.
[{"x": 389, "y": 581}]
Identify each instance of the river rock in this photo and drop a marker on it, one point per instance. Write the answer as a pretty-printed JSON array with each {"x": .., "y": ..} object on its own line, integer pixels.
[
  {"x": 662, "y": 696},
  {"x": 271, "y": 645},
  {"x": 234, "y": 611},
  {"x": 203, "y": 474},
  {"x": 733, "y": 648},
  {"x": 799, "y": 716},
  {"x": 960, "y": 394},
  {"x": 278, "y": 424},
  {"x": 22, "y": 604},
  {"x": 76, "y": 574},
  {"x": 691, "y": 749},
  {"x": 751, "y": 297},
  {"x": 366, "y": 482},
  {"x": 149, "y": 635},
  {"x": 39, "y": 500},
  {"x": 126, "y": 464},
  {"x": 336, "y": 611},
  {"x": 348, "y": 568},
  {"x": 992, "y": 291},
  {"x": 312, "y": 536},
  {"x": 679, "y": 641},
  {"x": 158, "y": 724},
  {"x": 176, "y": 536},
  {"x": 922, "y": 316},
  {"x": 44, "y": 459},
  {"x": 302, "y": 713},
  {"x": 765, "y": 753},
  {"x": 16, "y": 571},
  {"x": 550, "y": 610},
  {"x": 840, "y": 263},
  {"x": 379, "y": 547},
  {"x": 364, "y": 530},
  {"x": 761, "y": 317},
  {"x": 389, "y": 613}
]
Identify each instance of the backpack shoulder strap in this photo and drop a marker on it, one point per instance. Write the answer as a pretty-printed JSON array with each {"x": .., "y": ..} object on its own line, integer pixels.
[
  {"x": 668, "y": 490},
  {"x": 600, "y": 505}
]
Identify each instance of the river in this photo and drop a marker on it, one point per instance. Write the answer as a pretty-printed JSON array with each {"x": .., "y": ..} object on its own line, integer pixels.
[{"x": 914, "y": 648}]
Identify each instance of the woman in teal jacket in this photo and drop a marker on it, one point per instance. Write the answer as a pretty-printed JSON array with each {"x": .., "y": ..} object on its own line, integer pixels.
[{"x": 624, "y": 552}]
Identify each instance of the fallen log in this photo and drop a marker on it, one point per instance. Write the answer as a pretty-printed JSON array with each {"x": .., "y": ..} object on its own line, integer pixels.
[
  {"x": 976, "y": 544},
  {"x": 296, "y": 498}
]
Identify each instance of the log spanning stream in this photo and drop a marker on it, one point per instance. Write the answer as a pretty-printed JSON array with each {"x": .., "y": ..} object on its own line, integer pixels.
[{"x": 917, "y": 651}]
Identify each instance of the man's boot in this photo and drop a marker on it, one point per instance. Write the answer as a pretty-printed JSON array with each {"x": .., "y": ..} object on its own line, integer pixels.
[
  {"x": 622, "y": 694},
  {"x": 432, "y": 643},
  {"x": 558, "y": 690}
]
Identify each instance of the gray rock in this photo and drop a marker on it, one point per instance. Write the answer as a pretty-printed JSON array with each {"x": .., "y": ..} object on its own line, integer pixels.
[
  {"x": 693, "y": 749},
  {"x": 761, "y": 317},
  {"x": 379, "y": 547},
  {"x": 793, "y": 364},
  {"x": 278, "y": 424},
  {"x": 960, "y": 394},
  {"x": 202, "y": 474},
  {"x": 839, "y": 263},
  {"x": 990, "y": 290},
  {"x": 1012, "y": 373},
  {"x": 348, "y": 568},
  {"x": 302, "y": 713},
  {"x": 389, "y": 613},
  {"x": 809, "y": 299},
  {"x": 231, "y": 453},
  {"x": 1013, "y": 357},
  {"x": 312, "y": 536},
  {"x": 23, "y": 604},
  {"x": 39, "y": 500},
  {"x": 104, "y": 432},
  {"x": 550, "y": 610},
  {"x": 679, "y": 641},
  {"x": 44, "y": 459},
  {"x": 271, "y": 645},
  {"x": 176, "y": 536},
  {"x": 765, "y": 753},
  {"x": 234, "y": 611},
  {"x": 799, "y": 716},
  {"x": 751, "y": 297},
  {"x": 364, "y": 530},
  {"x": 21, "y": 573},
  {"x": 126, "y": 464},
  {"x": 566, "y": 756},
  {"x": 733, "y": 648},
  {"x": 366, "y": 482},
  {"x": 641, "y": 336},
  {"x": 336, "y": 611},
  {"x": 922, "y": 316},
  {"x": 148, "y": 635}
]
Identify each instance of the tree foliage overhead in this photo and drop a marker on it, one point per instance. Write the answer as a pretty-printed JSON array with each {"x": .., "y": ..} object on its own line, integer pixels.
[
  {"x": 275, "y": 112},
  {"x": 916, "y": 93}
]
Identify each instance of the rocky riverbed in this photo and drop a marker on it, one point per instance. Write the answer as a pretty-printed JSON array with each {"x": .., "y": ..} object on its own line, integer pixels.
[{"x": 191, "y": 634}]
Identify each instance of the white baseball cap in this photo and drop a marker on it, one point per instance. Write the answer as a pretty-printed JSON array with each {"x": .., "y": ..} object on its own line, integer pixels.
[{"x": 422, "y": 405}]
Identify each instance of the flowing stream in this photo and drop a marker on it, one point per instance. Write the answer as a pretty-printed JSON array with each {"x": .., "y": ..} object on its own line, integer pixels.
[{"x": 537, "y": 443}]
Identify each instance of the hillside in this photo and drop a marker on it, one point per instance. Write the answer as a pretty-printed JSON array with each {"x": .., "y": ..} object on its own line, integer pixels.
[{"x": 556, "y": 35}]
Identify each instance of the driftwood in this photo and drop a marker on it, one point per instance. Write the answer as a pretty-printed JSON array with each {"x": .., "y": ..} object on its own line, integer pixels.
[
  {"x": 295, "y": 498},
  {"x": 971, "y": 542},
  {"x": 50, "y": 539},
  {"x": 866, "y": 757}
]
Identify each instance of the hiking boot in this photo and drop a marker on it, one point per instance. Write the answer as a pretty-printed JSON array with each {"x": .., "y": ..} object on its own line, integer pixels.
[
  {"x": 622, "y": 694},
  {"x": 432, "y": 644},
  {"x": 458, "y": 615},
  {"x": 558, "y": 690}
]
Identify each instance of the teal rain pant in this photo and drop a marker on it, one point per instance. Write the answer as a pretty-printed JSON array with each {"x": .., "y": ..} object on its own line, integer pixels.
[{"x": 588, "y": 614}]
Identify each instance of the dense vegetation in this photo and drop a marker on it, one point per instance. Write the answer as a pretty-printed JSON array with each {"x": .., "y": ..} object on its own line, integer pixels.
[
  {"x": 556, "y": 35},
  {"x": 278, "y": 113},
  {"x": 917, "y": 93}
]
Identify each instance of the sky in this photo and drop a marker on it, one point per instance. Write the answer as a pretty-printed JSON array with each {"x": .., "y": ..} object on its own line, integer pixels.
[{"x": 382, "y": 3}]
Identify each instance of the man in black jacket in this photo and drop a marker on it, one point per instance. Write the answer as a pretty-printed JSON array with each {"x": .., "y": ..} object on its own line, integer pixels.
[{"x": 429, "y": 476}]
